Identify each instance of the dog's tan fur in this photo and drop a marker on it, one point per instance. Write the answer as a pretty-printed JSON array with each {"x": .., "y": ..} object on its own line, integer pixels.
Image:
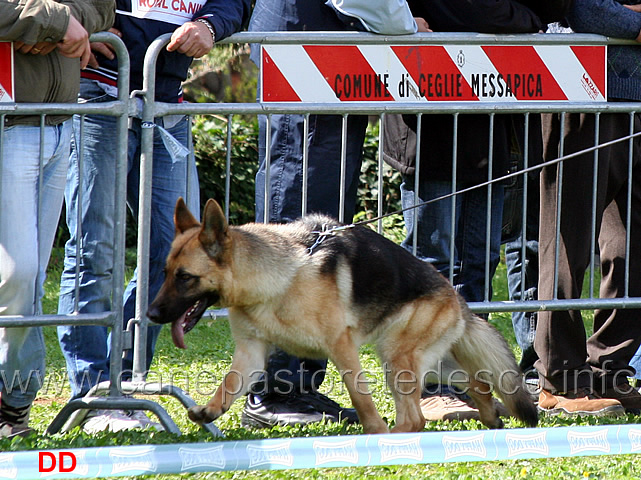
[{"x": 284, "y": 289}]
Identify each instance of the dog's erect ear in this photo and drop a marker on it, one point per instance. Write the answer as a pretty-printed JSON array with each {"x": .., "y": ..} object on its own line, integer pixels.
[
  {"x": 214, "y": 228},
  {"x": 183, "y": 219}
]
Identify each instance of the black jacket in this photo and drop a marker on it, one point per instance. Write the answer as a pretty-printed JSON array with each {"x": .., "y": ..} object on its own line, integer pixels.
[{"x": 483, "y": 16}]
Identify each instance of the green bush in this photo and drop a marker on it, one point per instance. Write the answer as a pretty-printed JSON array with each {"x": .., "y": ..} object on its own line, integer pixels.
[
  {"x": 368, "y": 190},
  {"x": 210, "y": 145}
]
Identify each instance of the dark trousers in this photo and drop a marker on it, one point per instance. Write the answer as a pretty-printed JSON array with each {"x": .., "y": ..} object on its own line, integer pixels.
[
  {"x": 287, "y": 373},
  {"x": 567, "y": 360}
]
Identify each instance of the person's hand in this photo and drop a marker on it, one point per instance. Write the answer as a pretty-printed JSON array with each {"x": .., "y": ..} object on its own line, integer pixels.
[
  {"x": 40, "y": 48},
  {"x": 103, "y": 48},
  {"x": 192, "y": 39},
  {"x": 422, "y": 24},
  {"x": 75, "y": 43},
  {"x": 635, "y": 8}
]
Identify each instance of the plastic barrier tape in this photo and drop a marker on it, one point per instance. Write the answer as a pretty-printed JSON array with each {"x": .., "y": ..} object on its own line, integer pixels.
[{"x": 324, "y": 452}]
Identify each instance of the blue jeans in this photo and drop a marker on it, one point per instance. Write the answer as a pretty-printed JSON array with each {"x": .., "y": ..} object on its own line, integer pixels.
[
  {"x": 323, "y": 174},
  {"x": 87, "y": 348},
  {"x": 434, "y": 231},
  {"x": 523, "y": 323},
  {"x": 28, "y": 224},
  {"x": 285, "y": 193}
]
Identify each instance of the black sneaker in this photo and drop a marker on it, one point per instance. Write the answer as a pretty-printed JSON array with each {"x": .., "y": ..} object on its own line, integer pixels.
[
  {"x": 14, "y": 421},
  {"x": 293, "y": 409},
  {"x": 332, "y": 410}
]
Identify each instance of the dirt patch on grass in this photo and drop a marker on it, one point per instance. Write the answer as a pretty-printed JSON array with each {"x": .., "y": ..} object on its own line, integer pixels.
[{"x": 45, "y": 401}]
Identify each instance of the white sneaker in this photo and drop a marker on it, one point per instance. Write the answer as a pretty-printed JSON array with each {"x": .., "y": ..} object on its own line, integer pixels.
[
  {"x": 144, "y": 420},
  {"x": 110, "y": 420}
]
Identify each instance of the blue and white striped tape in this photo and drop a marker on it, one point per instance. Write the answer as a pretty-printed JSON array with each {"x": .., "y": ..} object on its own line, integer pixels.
[{"x": 325, "y": 452}]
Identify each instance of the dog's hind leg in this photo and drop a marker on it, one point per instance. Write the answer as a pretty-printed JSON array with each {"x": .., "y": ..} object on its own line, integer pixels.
[
  {"x": 483, "y": 353},
  {"x": 481, "y": 393},
  {"x": 420, "y": 335},
  {"x": 344, "y": 354},
  {"x": 249, "y": 359}
]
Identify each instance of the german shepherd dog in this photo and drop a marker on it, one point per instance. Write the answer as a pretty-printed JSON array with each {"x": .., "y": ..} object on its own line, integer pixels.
[{"x": 319, "y": 289}]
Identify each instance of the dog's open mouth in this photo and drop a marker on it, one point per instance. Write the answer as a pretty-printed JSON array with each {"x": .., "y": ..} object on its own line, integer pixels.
[{"x": 187, "y": 321}]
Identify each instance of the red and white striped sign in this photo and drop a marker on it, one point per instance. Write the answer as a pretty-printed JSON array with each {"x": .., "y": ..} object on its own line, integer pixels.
[
  {"x": 432, "y": 73},
  {"x": 6, "y": 72}
]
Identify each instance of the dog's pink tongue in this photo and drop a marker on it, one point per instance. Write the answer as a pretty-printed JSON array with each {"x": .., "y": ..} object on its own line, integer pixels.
[{"x": 178, "y": 333}]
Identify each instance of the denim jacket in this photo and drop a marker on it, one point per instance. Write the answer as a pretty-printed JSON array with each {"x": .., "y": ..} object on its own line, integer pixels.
[{"x": 611, "y": 18}]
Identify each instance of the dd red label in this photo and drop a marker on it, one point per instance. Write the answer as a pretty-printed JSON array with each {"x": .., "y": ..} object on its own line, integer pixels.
[{"x": 63, "y": 462}]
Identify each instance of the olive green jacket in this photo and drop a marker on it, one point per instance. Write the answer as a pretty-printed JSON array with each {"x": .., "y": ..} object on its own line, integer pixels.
[{"x": 50, "y": 78}]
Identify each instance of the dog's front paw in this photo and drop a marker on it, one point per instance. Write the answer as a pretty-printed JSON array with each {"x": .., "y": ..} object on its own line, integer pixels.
[{"x": 202, "y": 414}]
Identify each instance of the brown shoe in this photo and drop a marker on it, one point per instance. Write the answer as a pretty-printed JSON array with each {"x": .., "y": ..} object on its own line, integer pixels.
[
  {"x": 580, "y": 402},
  {"x": 627, "y": 395},
  {"x": 447, "y": 406},
  {"x": 501, "y": 410}
]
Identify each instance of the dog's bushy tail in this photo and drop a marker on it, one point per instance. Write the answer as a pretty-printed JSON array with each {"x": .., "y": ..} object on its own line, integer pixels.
[{"x": 483, "y": 353}]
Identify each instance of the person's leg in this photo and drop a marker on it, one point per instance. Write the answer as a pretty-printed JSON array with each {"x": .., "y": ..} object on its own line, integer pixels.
[
  {"x": 171, "y": 174},
  {"x": 472, "y": 281},
  {"x": 281, "y": 204},
  {"x": 432, "y": 222},
  {"x": 560, "y": 338},
  {"x": 523, "y": 276},
  {"x": 90, "y": 199},
  {"x": 323, "y": 196},
  {"x": 287, "y": 373},
  {"x": 92, "y": 204},
  {"x": 434, "y": 229},
  {"x": 617, "y": 332},
  {"x": 86, "y": 348},
  {"x": 28, "y": 225},
  {"x": 170, "y": 177},
  {"x": 635, "y": 363},
  {"x": 564, "y": 374}
]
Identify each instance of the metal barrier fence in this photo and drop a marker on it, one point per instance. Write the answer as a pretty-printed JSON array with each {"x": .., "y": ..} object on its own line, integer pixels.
[{"x": 151, "y": 110}]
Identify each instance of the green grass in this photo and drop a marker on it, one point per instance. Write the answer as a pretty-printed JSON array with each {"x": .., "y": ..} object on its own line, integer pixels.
[{"x": 198, "y": 369}]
